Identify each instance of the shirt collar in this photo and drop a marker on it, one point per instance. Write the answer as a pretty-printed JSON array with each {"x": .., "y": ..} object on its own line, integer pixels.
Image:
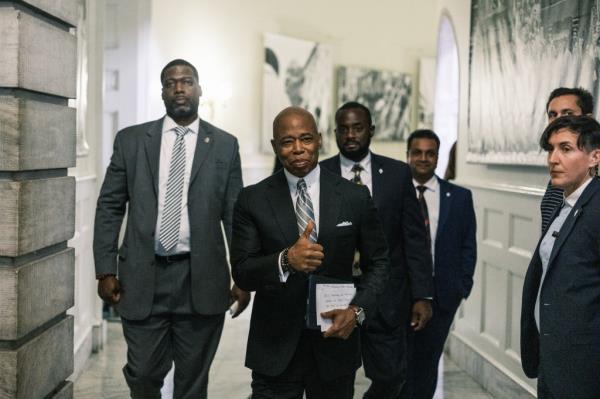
[
  {"x": 347, "y": 163},
  {"x": 572, "y": 199},
  {"x": 311, "y": 178},
  {"x": 431, "y": 184},
  {"x": 169, "y": 124}
]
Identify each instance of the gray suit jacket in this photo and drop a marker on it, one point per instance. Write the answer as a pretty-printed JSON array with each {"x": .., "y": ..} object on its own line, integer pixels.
[{"x": 131, "y": 183}]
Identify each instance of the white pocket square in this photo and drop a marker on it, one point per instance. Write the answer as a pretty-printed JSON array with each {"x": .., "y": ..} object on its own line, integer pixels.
[{"x": 343, "y": 224}]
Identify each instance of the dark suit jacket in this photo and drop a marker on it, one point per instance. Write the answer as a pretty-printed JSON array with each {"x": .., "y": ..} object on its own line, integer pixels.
[
  {"x": 132, "y": 181},
  {"x": 265, "y": 224},
  {"x": 455, "y": 246},
  {"x": 410, "y": 258},
  {"x": 567, "y": 352}
]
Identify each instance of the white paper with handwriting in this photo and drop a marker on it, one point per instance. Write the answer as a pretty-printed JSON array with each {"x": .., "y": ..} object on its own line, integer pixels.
[{"x": 332, "y": 296}]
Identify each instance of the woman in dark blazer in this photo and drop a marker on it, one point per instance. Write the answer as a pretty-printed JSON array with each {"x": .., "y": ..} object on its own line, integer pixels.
[{"x": 560, "y": 316}]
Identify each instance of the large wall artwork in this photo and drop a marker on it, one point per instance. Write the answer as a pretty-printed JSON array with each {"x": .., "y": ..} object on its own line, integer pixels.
[
  {"x": 387, "y": 94},
  {"x": 520, "y": 51},
  {"x": 296, "y": 72}
]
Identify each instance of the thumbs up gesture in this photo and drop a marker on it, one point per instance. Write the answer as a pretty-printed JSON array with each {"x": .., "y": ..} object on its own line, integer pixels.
[{"x": 305, "y": 256}]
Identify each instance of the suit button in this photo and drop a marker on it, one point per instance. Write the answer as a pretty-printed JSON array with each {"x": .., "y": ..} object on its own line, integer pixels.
[{"x": 152, "y": 234}]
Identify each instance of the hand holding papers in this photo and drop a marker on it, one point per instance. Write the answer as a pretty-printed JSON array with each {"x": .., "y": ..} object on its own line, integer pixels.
[
  {"x": 333, "y": 300},
  {"x": 329, "y": 297}
]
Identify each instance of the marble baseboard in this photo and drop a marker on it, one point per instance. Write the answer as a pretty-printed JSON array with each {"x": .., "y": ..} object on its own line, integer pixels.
[
  {"x": 82, "y": 354},
  {"x": 491, "y": 378}
]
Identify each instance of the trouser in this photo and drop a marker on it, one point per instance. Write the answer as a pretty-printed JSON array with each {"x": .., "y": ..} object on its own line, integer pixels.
[
  {"x": 302, "y": 376},
  {"x": 172, "y": 333},
  {"x": 384, "y": 358},
  {"x": 426, "y": 347}
]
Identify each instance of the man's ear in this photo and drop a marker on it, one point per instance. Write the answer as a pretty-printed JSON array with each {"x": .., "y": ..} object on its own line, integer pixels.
[
  {"x": 320, "y": 140},
  {"x": 371, "y": 131},
  {"x": 273, "y": 146},
  {"x": 595, "y": 158}
]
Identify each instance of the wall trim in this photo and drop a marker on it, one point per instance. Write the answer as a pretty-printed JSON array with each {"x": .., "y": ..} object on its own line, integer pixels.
[
  {"x": 490, "y": 374},
  {"x": 503, "y": 187}
]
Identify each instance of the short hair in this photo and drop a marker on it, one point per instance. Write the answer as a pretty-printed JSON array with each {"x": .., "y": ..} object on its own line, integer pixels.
[
  {"x": 176, "y": 62},
  {"x": 354, "y": 105},
  {"x": 586, "y": 127},
  {"x": 422, "y": 134},
  {"x": 585, "y": 100}
]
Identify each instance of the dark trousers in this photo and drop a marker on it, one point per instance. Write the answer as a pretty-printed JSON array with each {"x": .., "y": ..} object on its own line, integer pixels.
[
  {"x": 543, "y": 392},
  {"x": 172, "y": 333},
  {"x": 301, "y": 376},
  {"x": 426, "y": 349},
  {"x": 384, "y": 358}
]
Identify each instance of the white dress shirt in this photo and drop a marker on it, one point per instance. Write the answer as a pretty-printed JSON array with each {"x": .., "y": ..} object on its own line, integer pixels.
[
  {"x": 166, "y": 149},
  {"x": 365, "y": 176},
  {"x": 312, "y": 179},
  {"x": 432, "y": 197},
  {"x": 549, "y": 239}
]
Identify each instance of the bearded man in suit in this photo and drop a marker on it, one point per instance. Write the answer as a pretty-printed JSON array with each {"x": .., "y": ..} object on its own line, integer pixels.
[{"x": 177, "y": 178}]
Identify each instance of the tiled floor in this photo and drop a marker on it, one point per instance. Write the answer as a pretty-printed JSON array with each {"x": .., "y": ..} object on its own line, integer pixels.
[{"x": 229, "y": 379}]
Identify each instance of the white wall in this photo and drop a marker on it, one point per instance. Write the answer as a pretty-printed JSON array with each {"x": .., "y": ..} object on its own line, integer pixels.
[
  {"x": 508, "y": 217},
  {"x": 223, "y": 39}
]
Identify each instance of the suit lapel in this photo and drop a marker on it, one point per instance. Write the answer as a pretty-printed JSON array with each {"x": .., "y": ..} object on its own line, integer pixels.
[
  {"x": 575, "y": 213},
  {"x": 152, "y": 145},
  {"x": 329, "y": 204},
  {"x": 445, "y": 201},
  {"x": 377, "y": 178},
  {"x": 282, "y": 206},
  {"x": 203, "y": 145}
]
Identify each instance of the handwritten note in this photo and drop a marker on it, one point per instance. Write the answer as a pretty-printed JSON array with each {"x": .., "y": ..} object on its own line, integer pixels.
[{"x": 332, "y": 296}]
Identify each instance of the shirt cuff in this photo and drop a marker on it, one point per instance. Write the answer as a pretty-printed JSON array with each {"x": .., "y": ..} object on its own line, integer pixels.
[{"x": 282, "y": 276}]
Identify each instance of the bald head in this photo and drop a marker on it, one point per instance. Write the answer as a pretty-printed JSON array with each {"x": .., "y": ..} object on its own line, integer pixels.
[
  {"x": 285, "y": 117},
  {"x": 296, "y": 140}
]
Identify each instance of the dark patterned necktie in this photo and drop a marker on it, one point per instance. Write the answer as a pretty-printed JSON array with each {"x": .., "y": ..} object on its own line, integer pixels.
[
  {"x": 424, "y": 211},
  {"x": 356, "y": 169},
  {"x": 171, "y": 215},
  {"x": 304, "y": 210}
]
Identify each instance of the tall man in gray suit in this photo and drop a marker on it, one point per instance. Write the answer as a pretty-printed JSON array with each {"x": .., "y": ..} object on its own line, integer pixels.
[{"x": 178, "y": 177}]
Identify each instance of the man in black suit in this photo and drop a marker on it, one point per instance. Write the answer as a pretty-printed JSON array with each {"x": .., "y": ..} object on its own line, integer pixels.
[
  {"x": 178, "y": 178},
  {"x": 407, "y": 296},
  {"x": 560, "y": 312},
  {"x": 302, "y": 220},
  {"x": 451, "y": 224}
]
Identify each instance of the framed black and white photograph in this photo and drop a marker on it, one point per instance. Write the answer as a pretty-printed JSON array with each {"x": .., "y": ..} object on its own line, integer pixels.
[
  {"x": 387, "y": 94},
  {"x": 300, "y": 73},
  {"x": 520, "y": 52}
]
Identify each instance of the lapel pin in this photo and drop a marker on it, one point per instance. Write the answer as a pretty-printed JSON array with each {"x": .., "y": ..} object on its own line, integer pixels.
[
  {"x": 447, "y": 194},
  {"x": 207, "y": 140},
  {"x": 576, "y": 213},
  {"x": 380, "y": 171}
]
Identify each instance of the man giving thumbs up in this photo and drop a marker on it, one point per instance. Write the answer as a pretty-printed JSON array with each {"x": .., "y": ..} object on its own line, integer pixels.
[{"x": 304, "y": 220}]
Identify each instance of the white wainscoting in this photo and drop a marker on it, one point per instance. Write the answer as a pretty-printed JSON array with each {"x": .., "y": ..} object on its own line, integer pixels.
[
  {"x": 87, "y": 311},
  {"x": 485, "y": 339}
]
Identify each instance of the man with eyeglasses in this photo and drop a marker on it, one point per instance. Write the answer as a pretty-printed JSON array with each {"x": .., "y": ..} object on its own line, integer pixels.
[{"x": 409, "y": 290}]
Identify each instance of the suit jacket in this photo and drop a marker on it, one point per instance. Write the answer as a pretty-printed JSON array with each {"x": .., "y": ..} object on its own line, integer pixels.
[
  {"x": 410, "y": 258},
  {"x": 455, "y": 246},
  {"x": 132, "y": 181},
  {"x": 567, "y": 352},
  {"x": 265, "y": 224}
]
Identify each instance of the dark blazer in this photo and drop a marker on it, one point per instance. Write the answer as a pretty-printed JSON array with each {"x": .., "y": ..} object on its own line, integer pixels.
[
  {"x": 567, "y": 352},
  {"x": 410, "y": 258},
  {"x": 131, "y": 182},
  {"x": 264, "y": 224},
  {"x": 455, "y": 246}
]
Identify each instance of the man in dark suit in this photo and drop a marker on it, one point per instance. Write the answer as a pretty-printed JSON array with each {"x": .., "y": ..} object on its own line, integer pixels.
[
  {"x": 407, "y": 296},
  {"x": 304, "y": 220},
  {"x": 450, "y": 219},
  {"x": 563, "y": 101},
  {"x": 560, "y": 313},
  {"x": 178, "y": 178}
]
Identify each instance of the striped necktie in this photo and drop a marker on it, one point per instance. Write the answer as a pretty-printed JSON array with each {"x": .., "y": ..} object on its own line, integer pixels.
[
  {"x": 304, "y": 210},
  {"x": 356, "y": 169},
  {"x": 424, "y": 210},
  {"x": 171, "y": 215}
]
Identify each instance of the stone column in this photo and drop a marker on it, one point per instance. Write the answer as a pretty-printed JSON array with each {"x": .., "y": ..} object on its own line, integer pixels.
[{"x": 37, "y": 198}]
